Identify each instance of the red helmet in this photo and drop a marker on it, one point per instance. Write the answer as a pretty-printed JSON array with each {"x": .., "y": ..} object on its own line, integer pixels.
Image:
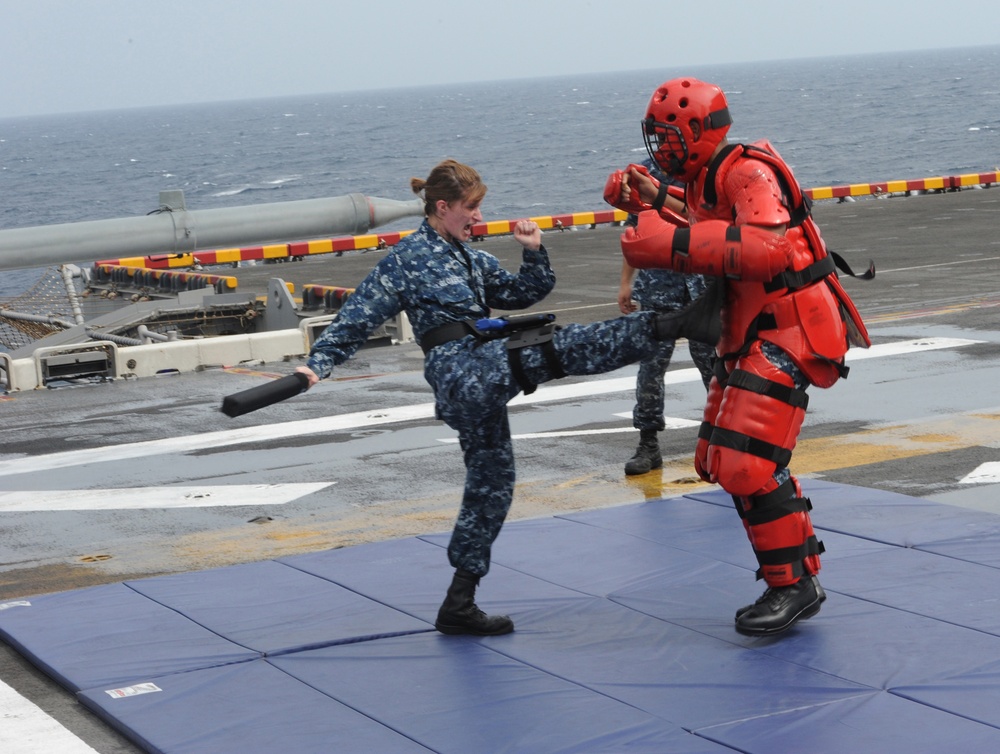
[{"x": 685, "y": 121}]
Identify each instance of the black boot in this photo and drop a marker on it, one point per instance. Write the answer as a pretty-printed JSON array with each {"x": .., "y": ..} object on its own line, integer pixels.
[
  {"x": 459, "y": 613},
  {"x": 780, "y": 607},
  {"x": 647, "y": 456}
]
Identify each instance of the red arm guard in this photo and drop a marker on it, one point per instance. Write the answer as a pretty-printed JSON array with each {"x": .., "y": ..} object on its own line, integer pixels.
[{"x": 711, "y": 247}]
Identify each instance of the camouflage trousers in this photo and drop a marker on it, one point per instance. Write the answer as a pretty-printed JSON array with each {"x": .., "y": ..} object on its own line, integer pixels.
[
  {"x": 472, "y": 385},
  {"x": 649, "y": 391}
]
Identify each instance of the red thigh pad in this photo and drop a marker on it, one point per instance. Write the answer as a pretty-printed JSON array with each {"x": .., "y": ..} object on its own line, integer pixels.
[{"x": 756, "y": 426}]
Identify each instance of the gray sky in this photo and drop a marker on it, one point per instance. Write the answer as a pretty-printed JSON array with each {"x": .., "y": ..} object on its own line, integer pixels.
[{"x": 77, "y": 55}]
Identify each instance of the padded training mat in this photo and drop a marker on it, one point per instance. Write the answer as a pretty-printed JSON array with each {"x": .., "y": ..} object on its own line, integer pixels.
[{"x": 624, "y": 641}]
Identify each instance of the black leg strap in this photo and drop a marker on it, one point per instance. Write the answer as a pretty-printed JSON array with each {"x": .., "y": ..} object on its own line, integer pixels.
[
  {"x": 771, "y": 513},
  {"x": 756, "y": 384},
  {"x": 728, "y": 438},
  {"x": 538, "y": 336},
  {"x": 792, "y": 556},
  {"x": 705, "y": 431},
  {"x": 517, "y": 370},
  {"x": 775, "y": 497}
]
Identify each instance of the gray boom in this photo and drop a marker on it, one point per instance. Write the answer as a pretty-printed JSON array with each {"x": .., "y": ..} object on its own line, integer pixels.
[{"x": 173, "y": 230}]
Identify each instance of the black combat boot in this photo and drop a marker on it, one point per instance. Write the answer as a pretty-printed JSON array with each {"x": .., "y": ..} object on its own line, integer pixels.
[
  {"x": 459, "y": 613},
  {"x": 780, "y": 607},
  {"x": 647, "y": 455}
]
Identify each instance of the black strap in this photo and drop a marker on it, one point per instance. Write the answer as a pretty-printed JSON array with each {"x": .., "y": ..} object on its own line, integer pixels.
[
  {"x": 446, "y": 333},
  {"x": 536, "y": 336},
  {"x": 763, "y": 321},
  {"x": 790, "y": 555},
  {"x": 761, "y": 385},
  {"x": 844, "y": 267},
  {"x": 552, "y": 359},
  {"x": 728, "y": 438},
  {"x": 800, "y": 213},
  {"x": 710, "y": 195},
  {"x": 661, "y": 197},
  {"x": 720, "y": 371},
  {"x": 756, "y": 516},
  {"x": 718, "y": 119},
  {"x": 816, "y": 271},
  {"x": 801, "y": 278},
  {"x": 785, "y": 490},
  {"x": 517, "y": 370},
  {"x": 681, "y": 242}
]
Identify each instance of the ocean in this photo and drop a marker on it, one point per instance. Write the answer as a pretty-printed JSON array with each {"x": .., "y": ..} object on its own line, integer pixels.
[{"x": 544, "y": 146}]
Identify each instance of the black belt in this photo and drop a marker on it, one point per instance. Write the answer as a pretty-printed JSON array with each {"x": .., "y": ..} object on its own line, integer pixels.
[
  {"x": 442, "y": 334},
  {"x": 487, "y": 329},
  {"x": 521, "y": 332}
]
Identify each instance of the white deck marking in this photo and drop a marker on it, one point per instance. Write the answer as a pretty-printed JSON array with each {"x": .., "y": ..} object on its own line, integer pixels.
[
  {"x": 133, "y": 498},
  {"x": 417, "y": 412},
  {"x": 670, "y": 423},
  {"x": 908, "y": 346},
  {"x": 985, "y": 473},
  {"x": 26, "y": 729}
]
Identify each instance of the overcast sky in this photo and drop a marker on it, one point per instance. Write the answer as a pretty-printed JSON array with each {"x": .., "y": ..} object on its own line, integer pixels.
[{"x": 77, "y": 55}]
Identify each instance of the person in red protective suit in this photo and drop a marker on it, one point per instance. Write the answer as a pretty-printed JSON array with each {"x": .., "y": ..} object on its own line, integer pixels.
[{"x": 786, "y": 322}]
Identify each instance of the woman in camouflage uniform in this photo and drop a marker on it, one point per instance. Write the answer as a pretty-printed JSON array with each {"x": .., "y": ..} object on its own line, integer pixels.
[{"x": 447, "y": 289}]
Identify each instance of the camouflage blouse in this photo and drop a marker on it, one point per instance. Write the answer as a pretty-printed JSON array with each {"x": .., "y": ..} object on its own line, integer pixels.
[{"x": 434, "y": 282}]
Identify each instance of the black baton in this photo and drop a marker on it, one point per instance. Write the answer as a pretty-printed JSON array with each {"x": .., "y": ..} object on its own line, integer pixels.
[{"x": 281, "y": 389}]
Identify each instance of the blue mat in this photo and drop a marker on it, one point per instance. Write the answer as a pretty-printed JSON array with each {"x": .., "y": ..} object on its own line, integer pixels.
[{"x": 624, "y": 641}]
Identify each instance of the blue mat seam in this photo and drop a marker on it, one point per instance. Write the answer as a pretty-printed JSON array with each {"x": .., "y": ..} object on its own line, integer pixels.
[
  {"x": 343, "y": 642},
  {"x": 128, "y": 585},
  {"x": 348, "y": 706}
]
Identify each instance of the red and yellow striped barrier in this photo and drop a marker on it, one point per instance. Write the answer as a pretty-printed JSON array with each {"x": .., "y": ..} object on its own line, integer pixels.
[
  {"x": 500, "y": 227},
  {"x": 941, "y": 183},
  {"x": 273, "y": 251}
]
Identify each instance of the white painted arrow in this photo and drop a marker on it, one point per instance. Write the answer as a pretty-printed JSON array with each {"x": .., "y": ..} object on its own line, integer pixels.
[
  {"x": 132, "y": 498},
  {"x": 986, "y": 473}
]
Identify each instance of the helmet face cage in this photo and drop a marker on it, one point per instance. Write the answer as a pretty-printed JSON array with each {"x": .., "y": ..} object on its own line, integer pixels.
[
  {"x": 685, "y": 122},
  {"x": 666, "y": 145}
]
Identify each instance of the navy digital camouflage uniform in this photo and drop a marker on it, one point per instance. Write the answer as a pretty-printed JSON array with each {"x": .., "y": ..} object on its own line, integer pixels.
[
  {"x": 664, "y": 291},
  {"x": 436, "y": 282}
]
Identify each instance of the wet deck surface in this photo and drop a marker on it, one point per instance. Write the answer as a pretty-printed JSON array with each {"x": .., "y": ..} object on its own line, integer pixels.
[{"x": 918, "y": 415}]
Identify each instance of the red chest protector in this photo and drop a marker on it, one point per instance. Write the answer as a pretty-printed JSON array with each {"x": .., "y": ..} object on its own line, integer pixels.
[{"x": 803, "y": 310}]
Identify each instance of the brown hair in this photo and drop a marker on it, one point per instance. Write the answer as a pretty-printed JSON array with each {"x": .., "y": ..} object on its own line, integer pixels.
[{"x": 449, "y": 180}]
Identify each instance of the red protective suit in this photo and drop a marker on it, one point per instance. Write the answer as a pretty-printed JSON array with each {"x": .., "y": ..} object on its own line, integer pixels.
[{"x": 780, "y": 290}]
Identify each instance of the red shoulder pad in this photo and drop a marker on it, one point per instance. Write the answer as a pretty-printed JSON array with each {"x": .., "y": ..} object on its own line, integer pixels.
[{"x": 755, "y": 194}]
